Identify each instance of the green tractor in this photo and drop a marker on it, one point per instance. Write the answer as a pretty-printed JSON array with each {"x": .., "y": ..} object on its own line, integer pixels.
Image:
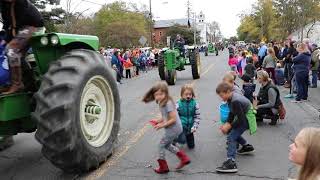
[
  {"x": 172, "y": 60},
  {"x": 71, "y": 100},
  {"x": 211, "y": 49}
]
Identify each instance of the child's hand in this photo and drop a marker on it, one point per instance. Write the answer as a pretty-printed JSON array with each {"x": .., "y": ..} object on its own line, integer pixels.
[
  {"x": 159, "y": 126},
  {"x": 225, "y": 128}
]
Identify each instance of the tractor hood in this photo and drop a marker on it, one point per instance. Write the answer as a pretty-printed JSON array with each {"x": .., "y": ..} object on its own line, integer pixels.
[{"x": 61, "y": 39}]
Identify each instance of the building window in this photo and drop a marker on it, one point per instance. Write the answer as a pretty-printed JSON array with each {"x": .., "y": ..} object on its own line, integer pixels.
[{"x": 160, "y": 33}]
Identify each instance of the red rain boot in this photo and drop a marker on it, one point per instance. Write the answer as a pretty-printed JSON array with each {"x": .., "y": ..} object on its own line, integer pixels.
[
  {"x": 163, "y": 167},
  {"x": 184, "y": 159}
]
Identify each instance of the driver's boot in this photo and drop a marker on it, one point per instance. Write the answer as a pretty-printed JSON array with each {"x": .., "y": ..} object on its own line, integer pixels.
[
  {"x": 5, "y": 142},
  {"x": 16, "y": 80}
]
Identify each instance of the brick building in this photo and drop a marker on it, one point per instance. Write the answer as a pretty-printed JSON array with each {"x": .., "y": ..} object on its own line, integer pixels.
[{"x": 161, "y": 27}]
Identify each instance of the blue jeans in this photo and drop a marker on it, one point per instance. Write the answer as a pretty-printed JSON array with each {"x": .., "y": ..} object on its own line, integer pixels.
[
  {"x": 302, "y": 79},
  {"x": 234, "y": 137},
  {"x": 314, "y": 78}
]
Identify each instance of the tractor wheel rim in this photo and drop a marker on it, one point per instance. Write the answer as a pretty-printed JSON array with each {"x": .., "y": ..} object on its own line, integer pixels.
[{"x": 97, "y": 111}]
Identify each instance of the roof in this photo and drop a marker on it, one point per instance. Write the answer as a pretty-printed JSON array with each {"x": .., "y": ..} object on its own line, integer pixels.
[{"x": 171, "y": 22}]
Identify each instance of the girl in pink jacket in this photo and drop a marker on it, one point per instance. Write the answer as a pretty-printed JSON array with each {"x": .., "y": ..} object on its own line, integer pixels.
[{"x": 233, "y": 61}]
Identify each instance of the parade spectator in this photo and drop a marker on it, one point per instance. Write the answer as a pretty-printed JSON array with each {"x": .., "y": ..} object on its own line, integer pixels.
[
  {"x": 268, "y": 100},
  {"x": 305, "y": 151},
  {"x": 103, "y": 53},
  {"x": 288, "y": 72},
  {"x": 235, "y": 126},
  {"x": 128, "y": 67},
  {"x": 230, "y": 78},
  {"x": 233, "y": 61},
  {"x": 276, "y": 50},
  {"x": 284, "y": 52},
  {"x": 269, "y": 64},
  {"x": 142, "y": 61},
  {"x": 242, "y": 63},
  {"x": 250, "y": 69},
  {"x": 121, "y": 59},
  {"x": 189, "y": 113},
  {"x": 116, "y": 65},
  {"x": 248, "y": 87},
  {"x": 262, "y": 52},
  {"x": 301, "y": 64},
  {"x": 279, "y": 73},
  {"x": 315, "y": 58},
  {"x": 136, "y": 63},
  {"x": 171, "y": 124}
]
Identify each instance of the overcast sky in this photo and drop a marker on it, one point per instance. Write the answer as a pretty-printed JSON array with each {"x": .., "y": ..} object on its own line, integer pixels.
[{"x": 225, "y": 12}]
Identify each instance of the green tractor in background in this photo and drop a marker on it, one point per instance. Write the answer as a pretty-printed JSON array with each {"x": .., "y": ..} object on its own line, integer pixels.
[
  {"x": 71, "y": 100},
  {"x": 174, "y": 59},
  {"x": 211, "y": 49}
]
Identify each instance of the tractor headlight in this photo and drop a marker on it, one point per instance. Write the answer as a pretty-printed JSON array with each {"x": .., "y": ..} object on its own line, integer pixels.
[
  {"x": 44, "y": 40},
  {"x": 54, "y": 40}
]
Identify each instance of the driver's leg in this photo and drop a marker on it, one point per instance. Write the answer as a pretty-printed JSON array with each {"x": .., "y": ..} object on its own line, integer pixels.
[{"x": 16, "y": 49}]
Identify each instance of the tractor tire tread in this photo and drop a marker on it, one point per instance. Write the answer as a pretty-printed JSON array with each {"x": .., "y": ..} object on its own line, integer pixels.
[{"x": 58, "y": 128}]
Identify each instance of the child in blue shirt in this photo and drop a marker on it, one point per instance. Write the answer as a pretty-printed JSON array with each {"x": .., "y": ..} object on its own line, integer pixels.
[{"x": 248, "y": 87}]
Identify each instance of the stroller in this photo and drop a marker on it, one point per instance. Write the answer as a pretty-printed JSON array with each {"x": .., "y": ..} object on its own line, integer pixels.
[{"x": 4, "y": 68}]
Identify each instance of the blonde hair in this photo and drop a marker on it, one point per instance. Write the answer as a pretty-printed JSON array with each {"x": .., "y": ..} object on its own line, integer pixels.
[
  {"x": 229, "y": 78},
  {"x": 263, "y": 75},
  {"x": 188, "y": 87},
  {"x": 160, "y": 86},
  {"x": 310, "y": 140},
  {"x": 272, "y": 53}
]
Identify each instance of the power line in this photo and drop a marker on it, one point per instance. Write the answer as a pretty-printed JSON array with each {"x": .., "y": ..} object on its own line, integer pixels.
[{"x": 93, "y": 2}]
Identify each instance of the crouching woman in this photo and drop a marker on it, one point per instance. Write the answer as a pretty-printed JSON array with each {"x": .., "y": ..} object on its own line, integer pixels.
[{"x": 268, "y": 102}]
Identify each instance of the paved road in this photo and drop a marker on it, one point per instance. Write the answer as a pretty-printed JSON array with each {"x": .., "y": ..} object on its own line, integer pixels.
[{"x": 136, "y": 150}]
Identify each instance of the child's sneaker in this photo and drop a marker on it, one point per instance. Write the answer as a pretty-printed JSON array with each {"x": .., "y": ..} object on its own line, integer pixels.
[
  {"x": 228, "y": 166},
  {"x": 246, "y": 149}
]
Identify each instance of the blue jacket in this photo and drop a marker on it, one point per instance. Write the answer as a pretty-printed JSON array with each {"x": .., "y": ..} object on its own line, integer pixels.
[
  {"x": 4, "y": 68},
  {"x": 262, "y": 51},
  {"x": 116, "y": 61},
  {"x": 301, "y": 63}
]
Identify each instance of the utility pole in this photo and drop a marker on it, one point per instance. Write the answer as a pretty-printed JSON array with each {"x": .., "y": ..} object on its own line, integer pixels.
[
  {"x": 151, "y": 24},
  {"x": 195, "y": 29},
  {"x": 188, "y": 11}
]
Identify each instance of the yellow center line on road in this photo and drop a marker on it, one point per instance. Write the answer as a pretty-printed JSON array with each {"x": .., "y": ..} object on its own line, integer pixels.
[{"x": 98, "y": 173}]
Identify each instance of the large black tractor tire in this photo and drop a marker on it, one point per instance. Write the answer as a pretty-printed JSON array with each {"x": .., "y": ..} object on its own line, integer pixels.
[
  {"x": 171, "y": 77},
  {"x": 76, "y": 79},
  {"x": 195, "y": 64},
  {"x": 206, "y": 53},
  {"x": 161, "y": 67}
]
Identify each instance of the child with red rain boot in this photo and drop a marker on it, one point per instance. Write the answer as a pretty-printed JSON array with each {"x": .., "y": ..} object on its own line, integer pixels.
[{"x": 171, "y": 124}]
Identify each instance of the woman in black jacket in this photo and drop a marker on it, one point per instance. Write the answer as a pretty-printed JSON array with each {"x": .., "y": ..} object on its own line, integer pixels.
[{"x": 268, "y": 100}]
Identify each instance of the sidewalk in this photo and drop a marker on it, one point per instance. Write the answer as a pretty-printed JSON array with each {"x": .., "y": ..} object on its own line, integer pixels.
[{"x": 314, "y": 96}]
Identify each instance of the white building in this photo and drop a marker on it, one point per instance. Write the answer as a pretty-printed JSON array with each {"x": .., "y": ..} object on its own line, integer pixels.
[{"x": 202, "y": 27}]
